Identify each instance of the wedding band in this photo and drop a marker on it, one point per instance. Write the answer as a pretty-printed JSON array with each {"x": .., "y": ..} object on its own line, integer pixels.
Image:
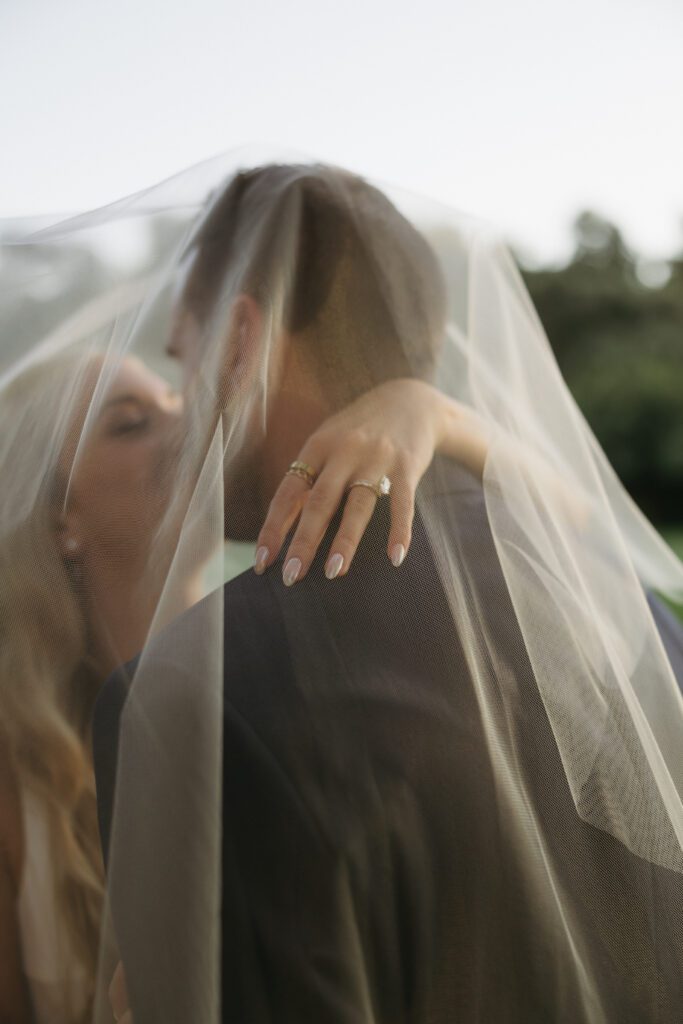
[
  {"x": 303, "y": 470},
  {"x": 380, "y": 488}
]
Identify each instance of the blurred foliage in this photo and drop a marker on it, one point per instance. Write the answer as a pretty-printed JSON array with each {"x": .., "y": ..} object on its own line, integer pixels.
[
  {"x": 674, "y": 538},
  {"x": 616, "y": 326}
]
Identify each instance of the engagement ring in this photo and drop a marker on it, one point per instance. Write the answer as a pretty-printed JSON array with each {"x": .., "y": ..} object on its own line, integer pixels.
[{"x": 380, "y": 488}]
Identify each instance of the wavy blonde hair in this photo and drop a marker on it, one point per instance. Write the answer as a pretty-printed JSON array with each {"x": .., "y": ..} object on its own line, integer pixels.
[{"x": 47, "y": 683}]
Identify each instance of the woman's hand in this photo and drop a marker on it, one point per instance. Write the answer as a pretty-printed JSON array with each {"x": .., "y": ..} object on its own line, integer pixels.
[{"x": 394, "y": 431}]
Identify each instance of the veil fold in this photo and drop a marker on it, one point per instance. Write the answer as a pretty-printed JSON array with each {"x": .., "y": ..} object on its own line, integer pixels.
[{"x": 545, "y": 565}]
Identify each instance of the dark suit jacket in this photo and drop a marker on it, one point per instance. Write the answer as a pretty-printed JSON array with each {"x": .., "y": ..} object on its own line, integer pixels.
[{"x": 368, "y": 870}]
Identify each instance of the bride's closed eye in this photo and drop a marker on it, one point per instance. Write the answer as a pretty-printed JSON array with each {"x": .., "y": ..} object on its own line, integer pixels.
[
  {"x": 126, "y": 415},
  {"x": 129, "y": 425}
]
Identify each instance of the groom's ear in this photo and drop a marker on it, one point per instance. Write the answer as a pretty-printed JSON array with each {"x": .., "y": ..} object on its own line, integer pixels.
[{"x": 243, "y": 345}]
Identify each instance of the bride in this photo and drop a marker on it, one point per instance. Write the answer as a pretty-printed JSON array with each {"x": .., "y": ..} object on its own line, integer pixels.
[
  {"x": 512, "y": 644},
  {"x": 76, "y": 603}
]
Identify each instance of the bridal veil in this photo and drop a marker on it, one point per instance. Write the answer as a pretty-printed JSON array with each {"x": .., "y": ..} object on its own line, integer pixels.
[{"x": 312, "y": 244}]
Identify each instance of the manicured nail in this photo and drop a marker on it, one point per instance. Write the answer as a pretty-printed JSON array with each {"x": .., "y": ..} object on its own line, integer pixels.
[
  {"x": 260, "y": 560},
  {"x": 398, "y": 553},
  {"x": 291, "y": 571},
  {"x": 333, "y": 567}
]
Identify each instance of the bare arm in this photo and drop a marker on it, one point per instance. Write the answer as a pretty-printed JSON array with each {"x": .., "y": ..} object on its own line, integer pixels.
[{"x": 394, "y": 430}]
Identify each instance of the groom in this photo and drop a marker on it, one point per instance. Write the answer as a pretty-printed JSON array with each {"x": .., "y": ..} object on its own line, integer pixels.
[{"x": 366, "y": 873}]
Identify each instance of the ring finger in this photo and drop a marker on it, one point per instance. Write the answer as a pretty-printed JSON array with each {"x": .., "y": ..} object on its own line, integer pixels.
[{"x": 358, "y": 511}]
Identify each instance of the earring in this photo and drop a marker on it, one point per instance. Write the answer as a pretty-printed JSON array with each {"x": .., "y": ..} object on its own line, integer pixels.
[{"x": 71, "y": 545}]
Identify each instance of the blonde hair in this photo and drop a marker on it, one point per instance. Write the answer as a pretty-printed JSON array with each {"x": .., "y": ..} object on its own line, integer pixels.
[{"x": 47, "y": 685}]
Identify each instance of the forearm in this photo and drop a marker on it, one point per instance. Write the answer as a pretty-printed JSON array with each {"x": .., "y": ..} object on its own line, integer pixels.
[{"x": 461, "y": 435}]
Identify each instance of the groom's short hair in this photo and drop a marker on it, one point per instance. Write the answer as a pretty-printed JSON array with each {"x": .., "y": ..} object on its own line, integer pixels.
[{"x": 366, "y": 292}]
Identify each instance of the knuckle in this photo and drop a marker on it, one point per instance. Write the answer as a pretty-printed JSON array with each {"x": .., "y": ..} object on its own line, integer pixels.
[
  {"x": 346, "y": 540},
  {"x": 384, "y": 448},
  {"x": 303, "y": 548},
  {"x": 319, "y": 499},
  {"x": 356, "y": 437},
  {"x": 279, "y": 505},
  {"x": 403, "y": 499},
  {"x": 403, "y": 516},
  {"x": 275, "y": 518},
  {"x": 403, "y": 466},
  {"x": 295, "y": 490},
  {"x": 318, "y": 443},
  {"x": 283, "y": 502},
  {"x": 268, "y": 537},
  {"x": 306, "y": 537}
]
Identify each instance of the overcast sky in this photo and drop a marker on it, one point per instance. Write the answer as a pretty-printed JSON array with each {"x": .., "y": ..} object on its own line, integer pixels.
[{"x": 518, "y": 111}]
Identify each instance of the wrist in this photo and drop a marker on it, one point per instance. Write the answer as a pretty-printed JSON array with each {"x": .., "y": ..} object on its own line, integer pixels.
[{"x": 448, "y": 425}]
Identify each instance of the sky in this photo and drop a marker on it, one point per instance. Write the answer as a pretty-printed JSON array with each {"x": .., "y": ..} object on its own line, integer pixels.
[{"x": 521, "y": 113}]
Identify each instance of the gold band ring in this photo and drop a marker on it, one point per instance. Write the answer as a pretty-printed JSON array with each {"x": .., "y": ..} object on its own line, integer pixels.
[
  {"x": 381, "y": 488},
  {"x": 303, "y": 470}
]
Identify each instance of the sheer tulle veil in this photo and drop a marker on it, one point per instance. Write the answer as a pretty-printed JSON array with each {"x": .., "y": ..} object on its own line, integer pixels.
[{"x": 84, "y": 295}]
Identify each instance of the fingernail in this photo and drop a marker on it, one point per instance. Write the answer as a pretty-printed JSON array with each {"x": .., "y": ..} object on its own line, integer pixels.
[
  {"x": 333, "y": 567},
  {"x": 260, "y": 560},
  {"x": 398, "y": 553},
  {"x": 291, "y": 571}
]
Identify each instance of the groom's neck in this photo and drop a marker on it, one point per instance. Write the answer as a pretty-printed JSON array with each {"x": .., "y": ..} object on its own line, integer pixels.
[
  {"x": 293, "y": 417},
  {"x": 291, "y": 420}
]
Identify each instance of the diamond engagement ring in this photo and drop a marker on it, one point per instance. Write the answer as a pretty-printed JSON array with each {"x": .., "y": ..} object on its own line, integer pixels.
[{"x": 381, "y": 487}]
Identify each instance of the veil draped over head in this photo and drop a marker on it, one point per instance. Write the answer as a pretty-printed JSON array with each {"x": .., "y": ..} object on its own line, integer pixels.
[{"x": 122, "y": 517}]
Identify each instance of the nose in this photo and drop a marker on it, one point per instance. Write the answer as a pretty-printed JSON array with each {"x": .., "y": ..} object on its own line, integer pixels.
[
  {"x": 184, "y": 342},
  {"x": 172, "y": 349},
  {"x": 172, "y": 403},
  {"x": 174, "y": 342},
  {"x": 172, "y": 430}
]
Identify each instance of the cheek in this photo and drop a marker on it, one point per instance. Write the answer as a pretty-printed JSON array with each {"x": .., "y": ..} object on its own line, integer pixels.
[
  {"x": 118, "y": 495},
  {"x": 123, "y": 475}
]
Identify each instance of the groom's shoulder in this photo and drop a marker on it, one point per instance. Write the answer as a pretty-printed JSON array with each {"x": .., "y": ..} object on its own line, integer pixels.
[
  {"x": 262, "y": 618},
  {"x": 254, "y": 603}
]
